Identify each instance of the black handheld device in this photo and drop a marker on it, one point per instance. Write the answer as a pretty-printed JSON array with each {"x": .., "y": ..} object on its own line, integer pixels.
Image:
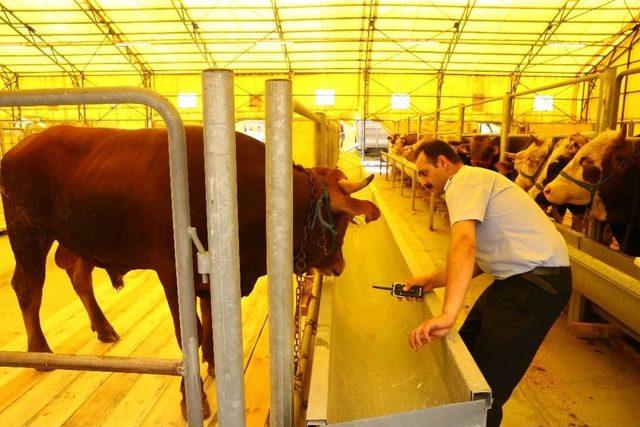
[{"x": 397, "y": 290}]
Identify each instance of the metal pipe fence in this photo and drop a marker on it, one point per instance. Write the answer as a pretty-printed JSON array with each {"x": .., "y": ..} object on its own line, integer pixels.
[
  {"x": 222, "y": 224},
  {"x": 179, "y": 206}
]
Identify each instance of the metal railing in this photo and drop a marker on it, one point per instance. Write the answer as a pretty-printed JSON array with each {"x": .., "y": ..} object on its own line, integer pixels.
[
  {"x": 181, "y": 221},
  {"x": 223, "y": 252},
  {"x": 325, "y": 138},
  {"x": 606, "y": 114}
]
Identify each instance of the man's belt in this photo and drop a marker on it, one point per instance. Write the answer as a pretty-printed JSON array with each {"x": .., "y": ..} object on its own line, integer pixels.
[
  {"x": 533, "y": 276},
  {"x": 550, "y": 271}
]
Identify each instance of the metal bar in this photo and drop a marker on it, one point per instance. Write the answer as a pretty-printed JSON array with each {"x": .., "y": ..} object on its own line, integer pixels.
[
  {"x": 402, "y": 177},
  {"x": 613, "y": 113},
  {"x": 279, "y": 184},
  {"x": 278, "y": 23},
  {"x": 302, "y": 376},
  {"x": 414, "y": 178},
  {"x": 557, "y": 85},
  {"x": 299, "y": 108},
  {"x": 507, "y": 114},
  {"x": 179, "y": 206},
  {"x": 461, "y": 108},
  {"x": 72, "y": 362},
  {"x": 222, "y": 224},
  {"x": 606, "y": 99},
  {"x": 432, "y": 209}
]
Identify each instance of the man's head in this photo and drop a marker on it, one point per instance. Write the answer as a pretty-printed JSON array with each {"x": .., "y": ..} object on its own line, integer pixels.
[{"x": 436, "y": 163}]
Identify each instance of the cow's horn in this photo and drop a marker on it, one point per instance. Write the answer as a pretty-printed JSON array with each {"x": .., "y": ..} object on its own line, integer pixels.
[{"x": 353, "y": 186}]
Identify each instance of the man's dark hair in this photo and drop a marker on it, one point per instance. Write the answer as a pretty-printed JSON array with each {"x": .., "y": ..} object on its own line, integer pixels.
[{"x": 436, "y": 148}]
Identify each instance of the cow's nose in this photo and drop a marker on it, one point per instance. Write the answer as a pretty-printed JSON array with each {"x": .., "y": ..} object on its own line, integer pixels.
[
  {"x": 336, "y": 271},
  {"x": 547, "y": 191}
]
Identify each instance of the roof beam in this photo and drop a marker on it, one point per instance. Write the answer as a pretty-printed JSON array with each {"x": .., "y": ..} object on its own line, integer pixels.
[
  {"x": 28, "y": 33},
  {"x": 9, "y": 78},
  {"x": 630, "y": 29},
  {"x": 459, "y": 28},
  {"x": 370, "y": 25},
  {"x": 107, "y": 27},
  {"x": 278, "y": 22},
  {"x": 194, "y": 32},
  {"x": 552, "y": 26}
]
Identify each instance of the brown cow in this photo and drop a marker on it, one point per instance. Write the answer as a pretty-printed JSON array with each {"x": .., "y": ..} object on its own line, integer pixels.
[
  {"x": 104, "y": 194},
  {"x": 605, "y": 170}
]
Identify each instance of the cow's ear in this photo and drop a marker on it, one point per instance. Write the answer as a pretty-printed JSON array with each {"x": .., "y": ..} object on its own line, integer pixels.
[
  {"x": 351, "y": 207},
  {"x": 495, "y": 149},
  {"x": 620, "y": 138}
]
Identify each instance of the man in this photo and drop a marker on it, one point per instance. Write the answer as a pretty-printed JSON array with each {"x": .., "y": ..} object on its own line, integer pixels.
[{"x": 498, "y": 229}]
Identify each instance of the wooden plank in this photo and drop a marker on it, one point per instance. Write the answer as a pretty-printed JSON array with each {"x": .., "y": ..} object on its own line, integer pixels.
[
  {"x": 594, "y": 330},
  {"x": 84, "y": 384},
  {"x": 49, "y": 384},
  {"x": 14, "y": 382},
  {"x": 257, "y": 384},
  {"x": 254, "y": 314},
  {"x": 97, "y": 409}
]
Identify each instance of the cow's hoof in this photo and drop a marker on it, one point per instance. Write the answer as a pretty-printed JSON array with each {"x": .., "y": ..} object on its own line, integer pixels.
[
  {"x": 206, "y": 409},
  {"x": 108, "y": 335}
]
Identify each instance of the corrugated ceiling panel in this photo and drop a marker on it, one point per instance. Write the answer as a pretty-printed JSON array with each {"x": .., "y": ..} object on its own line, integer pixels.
[{"x": 499, "y": 32}]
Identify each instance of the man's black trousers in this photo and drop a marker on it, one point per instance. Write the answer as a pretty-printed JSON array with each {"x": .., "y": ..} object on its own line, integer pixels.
[{"x": 506, "y": 326}]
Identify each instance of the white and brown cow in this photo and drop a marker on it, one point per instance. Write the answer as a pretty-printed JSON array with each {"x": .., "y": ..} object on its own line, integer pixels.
[{"x": 607, "y": 172}]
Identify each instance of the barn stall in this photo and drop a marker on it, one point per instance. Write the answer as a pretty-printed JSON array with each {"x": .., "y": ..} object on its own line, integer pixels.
[{"x": 426, "y": 67}]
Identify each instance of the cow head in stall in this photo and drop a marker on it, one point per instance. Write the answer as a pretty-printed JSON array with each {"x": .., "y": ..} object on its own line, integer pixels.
[
  {"x": 528, "y": 162},
  {"x": 484, "y": 150},
  {"x": 532, "y": 163},
  {"x": 581, "y": 178},
  {"x": 326, "y": 226}
]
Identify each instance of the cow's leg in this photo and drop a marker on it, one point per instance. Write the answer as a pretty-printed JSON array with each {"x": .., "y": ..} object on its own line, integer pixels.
[
  {"x": 206, "y": 341},
  {"x": 30, "y": 244},
  {"x": 169, "y": 284},
  {"x": 79, "y": 271}
]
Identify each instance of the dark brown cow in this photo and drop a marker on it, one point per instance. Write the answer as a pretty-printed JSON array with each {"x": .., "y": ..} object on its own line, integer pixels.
[{"x": 104, "y": 195}]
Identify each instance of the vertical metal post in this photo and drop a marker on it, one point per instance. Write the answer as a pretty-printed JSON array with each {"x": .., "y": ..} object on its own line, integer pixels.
[
  {"x": 460, "y": 121},
  {"x": 436, "y": 123},
  {"x": 323, "y": 137},
  {"x": 363, "y": 137},
  {"x": 402, "y": 177},
  {"x": 408, "y": 125},
  {"x": 432, "y": 209},
  {"x": 222, "y": 223},
  {"x": 631, "y": 128},
  {"x": 413, "y": 189},
  {"x": 393, "y": 173},
  {"x": 507, "y": 113},
  {"x": 607, "y": 113},
  {"x": 279, "y": 184},
  {"x": 419, "y": 131}
]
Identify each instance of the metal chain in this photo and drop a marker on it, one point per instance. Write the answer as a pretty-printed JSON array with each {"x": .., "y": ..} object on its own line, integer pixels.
[{"x": 300, "y": 263}]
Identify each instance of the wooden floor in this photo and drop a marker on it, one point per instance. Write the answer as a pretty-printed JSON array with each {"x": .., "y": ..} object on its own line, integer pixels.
[{"x": 140, "y": 315}]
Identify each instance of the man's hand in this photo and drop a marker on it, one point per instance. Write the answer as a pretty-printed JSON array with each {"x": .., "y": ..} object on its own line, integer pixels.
[
  {"x": 427, "y": 283},
  {"x": 430, "y": 329}
]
